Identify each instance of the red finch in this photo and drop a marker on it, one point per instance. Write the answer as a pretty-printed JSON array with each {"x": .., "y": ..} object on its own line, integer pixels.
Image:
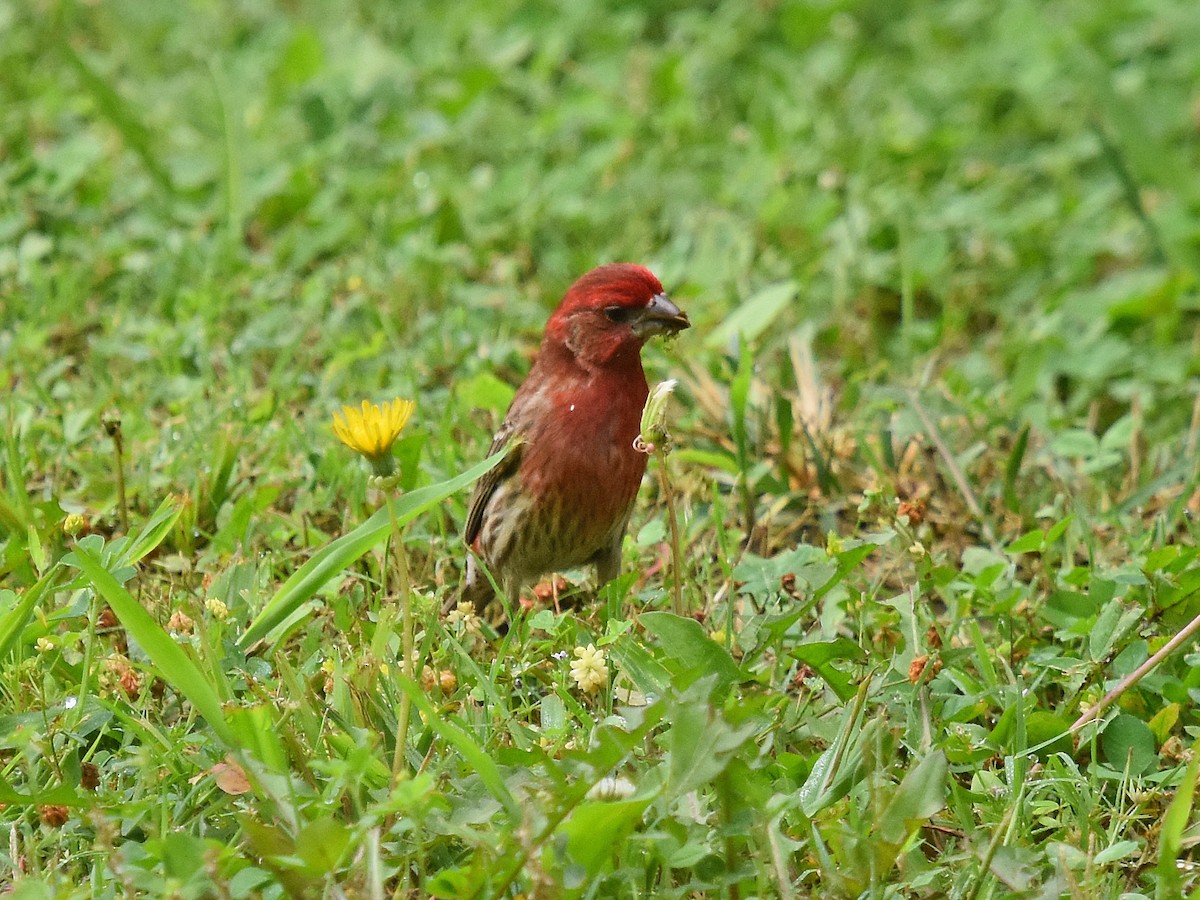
[{"x": 563, "y": 495}]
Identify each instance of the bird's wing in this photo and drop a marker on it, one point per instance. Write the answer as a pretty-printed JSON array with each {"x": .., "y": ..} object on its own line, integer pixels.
[{"x": 486, "y": 486}]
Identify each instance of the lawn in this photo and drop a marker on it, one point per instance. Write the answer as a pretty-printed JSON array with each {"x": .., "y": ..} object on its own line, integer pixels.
[{"x": 932, "y": 456}]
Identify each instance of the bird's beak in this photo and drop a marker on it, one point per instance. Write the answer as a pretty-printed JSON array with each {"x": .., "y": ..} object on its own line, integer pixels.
[{"x": 661, "y": 316}]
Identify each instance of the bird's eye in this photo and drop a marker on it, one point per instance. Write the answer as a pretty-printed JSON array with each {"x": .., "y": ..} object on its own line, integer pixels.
[{"x": 619, "y": 314}]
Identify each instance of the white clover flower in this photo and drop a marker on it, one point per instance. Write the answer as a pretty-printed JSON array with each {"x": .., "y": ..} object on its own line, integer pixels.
[{"x": 589, "y": 669}]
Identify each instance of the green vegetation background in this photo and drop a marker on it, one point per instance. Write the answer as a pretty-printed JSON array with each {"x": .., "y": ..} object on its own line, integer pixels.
[{"x": 935, "y": 444}]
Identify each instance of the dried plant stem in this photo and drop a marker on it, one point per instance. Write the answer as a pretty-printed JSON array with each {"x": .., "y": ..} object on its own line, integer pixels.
[
  {"x": 673, "y": 524},
  {"x": 1193, "y": 435},
  {"x": 1135, "y": 442},
  {"x": 1138, "y": 674},
  {"x": 956, "y": 472}
]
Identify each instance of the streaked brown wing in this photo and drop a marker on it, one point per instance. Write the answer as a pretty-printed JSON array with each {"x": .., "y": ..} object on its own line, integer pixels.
[{"x": 486, "y": 486}]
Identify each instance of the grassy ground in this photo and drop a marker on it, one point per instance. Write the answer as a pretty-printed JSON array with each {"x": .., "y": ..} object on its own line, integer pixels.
[{"x": 934, "y": 447}]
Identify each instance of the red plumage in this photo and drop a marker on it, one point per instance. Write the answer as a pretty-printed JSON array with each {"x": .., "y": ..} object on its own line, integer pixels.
[{"x": 563, "y": 496}]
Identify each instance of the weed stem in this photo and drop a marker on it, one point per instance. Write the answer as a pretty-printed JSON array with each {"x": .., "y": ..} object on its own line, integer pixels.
[{"x": 406, "y": 643}]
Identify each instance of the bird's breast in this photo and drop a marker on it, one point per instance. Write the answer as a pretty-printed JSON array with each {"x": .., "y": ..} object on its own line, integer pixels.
[{"x": 583, "y": 455}]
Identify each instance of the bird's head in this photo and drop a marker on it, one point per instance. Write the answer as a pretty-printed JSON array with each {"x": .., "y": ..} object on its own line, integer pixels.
[{"x": 611, "y": 311}]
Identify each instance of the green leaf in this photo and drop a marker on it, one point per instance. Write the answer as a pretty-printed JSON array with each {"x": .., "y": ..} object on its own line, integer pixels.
[
  {"x": 596, "y": 829},
  {"x": 1127, "y": 741},
  {"x": 1118, "y": 851},
  {"x": 921, "y": 794},
  {"x": 145, "y": 539},
  {"x": 17, "y": 611},
  {"x": 37, "y": 553},
  {"x": 256, "y": 728},
  {"x": 847, "y": 562},
  {"x": 1012, "y": 469},
  {"x": 685, "y": 642},
  {"x": 182, "y": 854},
  {"x": 473, "y": 755},
  {"x": 842, "y": 764},
  {"x": 59, "y": 795},
  {"x": 458, "y": 882},
  {"x": 300, "y": 59},
  {"x": 321, "y": 845},
  {"x": 168, "y": 659},
  {"x": 647, "y": 674},
  {"x": 553, "y": 715},
  {"x": 1056, "y": 531},
  {"x": 1046, "y": 733},
  {"x": 811, "y": 567},
  {"x": 120, "y": 114},
  {"x": 485, "y": 391},
  {"x": 1075, "y": 443},
  {"x": 700, "y": 742},
  {"x": 820, "y": 656},
  {"x": 739, "y": 398},
  {"x": 1163, "y": 722},
  {"x": 1113, "y": 623},
  {"x": 1175, "y": 822},
  {"x": 287, "y": 608},
  {"x": 706, "y": 459},
  {"x": 754, "y": 316},
  {"x": 1030, "y": 542}
]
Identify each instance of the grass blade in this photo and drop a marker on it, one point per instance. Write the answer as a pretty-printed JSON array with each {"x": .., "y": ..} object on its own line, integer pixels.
[
  {"x": 13, "y": 622},
  {"x": 121, "y": 115},
  {"x": 169, "y": 660},
  {"x": 150, "y": 535},
  {"x": 473, "y": 755},
  {"x": 1174, "y": 824},
  {"x": 285, "y": 608}
]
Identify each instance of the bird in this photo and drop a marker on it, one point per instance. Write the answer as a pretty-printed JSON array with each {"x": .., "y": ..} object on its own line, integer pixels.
[{"x": 562, "y": 496}]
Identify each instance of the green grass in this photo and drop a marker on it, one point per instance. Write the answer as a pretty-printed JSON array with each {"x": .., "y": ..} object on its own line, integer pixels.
[{"x": 934, "y": 447}]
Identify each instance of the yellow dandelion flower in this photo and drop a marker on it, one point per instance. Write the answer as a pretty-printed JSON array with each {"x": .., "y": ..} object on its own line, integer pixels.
[{"x": 372, "y": 430}]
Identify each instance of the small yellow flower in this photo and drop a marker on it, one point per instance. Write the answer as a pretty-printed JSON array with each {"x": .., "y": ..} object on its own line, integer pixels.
[
  {"x": 45, "y": 645},
  {"x": 217, "y": 608},
  {"x": 464, "y": 614},
  {"x": 589, "y": 669},
  {"x": 372, "y": 430}
]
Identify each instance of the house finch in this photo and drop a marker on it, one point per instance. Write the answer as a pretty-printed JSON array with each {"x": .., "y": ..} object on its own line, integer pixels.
[{"x": 563, "y": 495}]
